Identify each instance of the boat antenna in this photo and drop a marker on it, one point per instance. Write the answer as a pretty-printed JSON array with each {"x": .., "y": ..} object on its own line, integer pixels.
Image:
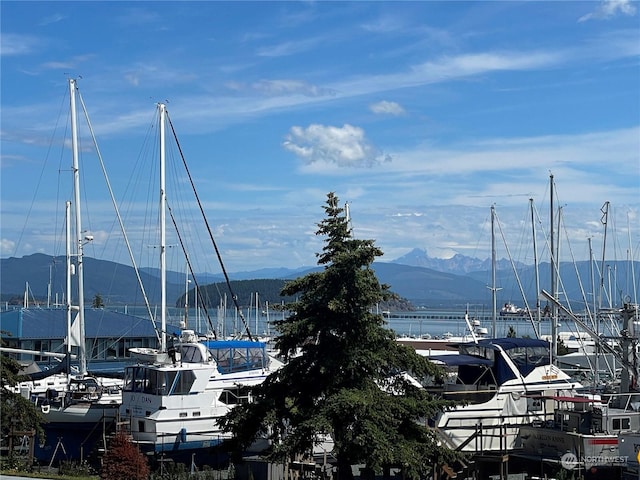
[{"x": 215, "y": 245}]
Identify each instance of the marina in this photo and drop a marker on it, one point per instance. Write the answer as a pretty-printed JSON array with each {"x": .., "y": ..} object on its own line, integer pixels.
[
  {"x": 514, "y": 386},
  {"x": 519, "y": 437}
]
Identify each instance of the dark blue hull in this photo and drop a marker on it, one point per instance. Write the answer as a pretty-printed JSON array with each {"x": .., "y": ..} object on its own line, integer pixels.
[{"x": 72, "y": 441}]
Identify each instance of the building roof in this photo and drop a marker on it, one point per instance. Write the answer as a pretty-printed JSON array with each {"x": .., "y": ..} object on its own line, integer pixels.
[{"x": 51, "y": 323}]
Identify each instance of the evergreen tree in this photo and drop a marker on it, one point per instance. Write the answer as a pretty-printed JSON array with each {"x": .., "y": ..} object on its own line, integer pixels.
[
  {"x": 16, "y": 412},
  {"x": 343, "y": 375},
  {"x": 97, "y": 301}
]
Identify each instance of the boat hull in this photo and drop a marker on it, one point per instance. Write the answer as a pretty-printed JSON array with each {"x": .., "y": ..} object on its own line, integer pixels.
[
  {"x": 596, "y": 450},
  {"x": 75, "y": 432}
]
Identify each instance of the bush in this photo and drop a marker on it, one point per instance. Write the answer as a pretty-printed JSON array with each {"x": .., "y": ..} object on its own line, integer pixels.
[{"x": 124, "y": 461}]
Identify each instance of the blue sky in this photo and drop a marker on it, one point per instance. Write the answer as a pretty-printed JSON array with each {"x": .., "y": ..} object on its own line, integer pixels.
[{"x": 421, "y": 115}]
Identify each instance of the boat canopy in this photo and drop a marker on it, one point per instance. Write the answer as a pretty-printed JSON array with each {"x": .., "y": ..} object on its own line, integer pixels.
[
  {"x": 509, "y": 343},
  {"x": 218, "y": 344},
  {"x": 525, "y": 353},
  {"x": 461, "y": 359},
  {"x": 237, "y": 355}
]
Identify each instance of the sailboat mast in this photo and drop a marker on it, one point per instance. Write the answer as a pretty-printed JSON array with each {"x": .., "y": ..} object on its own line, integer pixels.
[
  {"x": 604, "y": 220},
  {"x": 163, "y": 220},
  {"x": 494, "y": 310},
  {"x": 82, "y": 358},
  {"x": 68, "y": 277},
  {"x": 535, "y": 262},
  {"x": 554, "y": 312}
]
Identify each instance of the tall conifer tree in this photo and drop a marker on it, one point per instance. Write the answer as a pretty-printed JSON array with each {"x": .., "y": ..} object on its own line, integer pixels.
[{"x": 343, "y": 374}]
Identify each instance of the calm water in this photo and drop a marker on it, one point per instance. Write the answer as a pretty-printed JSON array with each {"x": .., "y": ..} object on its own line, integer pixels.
[{"x": 418, "y": 323}]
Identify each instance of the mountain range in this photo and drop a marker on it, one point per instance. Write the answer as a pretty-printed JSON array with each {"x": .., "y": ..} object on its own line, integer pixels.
[{"x": 423, "y": 280}]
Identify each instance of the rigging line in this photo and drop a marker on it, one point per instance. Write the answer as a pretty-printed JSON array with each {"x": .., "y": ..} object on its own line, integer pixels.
[
  {"x": 215, "y": 245},
  {"x": 583, "y": 293},
  {"x": 33, "y": 199},
  {"x": 57, "y": 241},
  {"x": 115, "y": 206},
  {"x": 515, "y": 272},
  {"x": 593, "y": 318},
  {"x": 184, "y": 250}
]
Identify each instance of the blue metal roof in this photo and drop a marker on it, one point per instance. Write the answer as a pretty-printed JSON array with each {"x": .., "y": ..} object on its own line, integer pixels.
[{"x": 50, "y": 323}]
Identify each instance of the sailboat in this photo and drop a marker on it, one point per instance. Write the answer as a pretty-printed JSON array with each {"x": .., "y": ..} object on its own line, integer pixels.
[
  {"x": 503, "y": 384},
  {"x": 76, "y": 404},
  {"x": 171, "y": 407},
  {"x": 593, "y": 428}
]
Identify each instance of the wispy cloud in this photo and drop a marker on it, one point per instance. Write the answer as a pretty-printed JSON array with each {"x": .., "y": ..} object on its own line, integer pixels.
[
  {"x": 385, "y": 24},
  {"x": 286, "y": 49},
  {"x": 55, "y": 18},
  {"x": 282, "y": 87},
  {"x": 16, "y": 44},
  {"x": 345, "y": 146},
  {"x": 387, "y": 108},
  {"x": 608, "y": 9},
  {"x": 71, "y": 63},
  {"x": 580, "y": 150}
]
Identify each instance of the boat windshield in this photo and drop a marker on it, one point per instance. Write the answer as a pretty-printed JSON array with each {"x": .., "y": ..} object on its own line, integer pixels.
[
  {"x": 158, "y": 382},
  {"x": 528, "y": 358},
  {"x": 526, "y": 354}
]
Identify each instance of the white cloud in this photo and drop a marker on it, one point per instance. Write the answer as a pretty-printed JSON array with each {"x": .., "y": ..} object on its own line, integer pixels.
[
  {"x": 286, "y": 49},
  {"x": 15, "y": 44},
  {"x": 55, "y": 18},
  {"x": 282, "y": 87},
  {"x": 68, "y": 64},
  {"x": 344, "y": 146},
  {"x": 386, "y": 107},
  {"x": 385, "y": 24},
  {"x": 7, "y": 247},
  {"x": 609, "y": 9}
]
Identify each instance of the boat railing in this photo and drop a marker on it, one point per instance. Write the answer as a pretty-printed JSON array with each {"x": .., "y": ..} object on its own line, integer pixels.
[
  {"x": 624, "y": 400},
  {"x": 472, "y": 394}
]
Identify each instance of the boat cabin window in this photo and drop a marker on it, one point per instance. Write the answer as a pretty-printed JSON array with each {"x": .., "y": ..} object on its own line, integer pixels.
[
  {"x": 478, "y": 351},
  {"x": 183, "y": 383},
  {"x": 234, "y": 396},
  {"x": 145, "y": 380},
  {"x": 621, "y": 423},
  {"x": 193, "y": 354},
  {"x": 238, "y": 356}
]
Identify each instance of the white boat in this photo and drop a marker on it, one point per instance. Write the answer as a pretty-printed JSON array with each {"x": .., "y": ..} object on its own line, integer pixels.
[
  {"x": 504, "y": 383},
  {"x": 448, "y": 344},
  {"x": 513, "y": 310},
  {"x": 172, "y": 409},
  {"x": 172, "y": 405}
]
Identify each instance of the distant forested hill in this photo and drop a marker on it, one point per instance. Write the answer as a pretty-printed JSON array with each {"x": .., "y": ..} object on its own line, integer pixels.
[{"x": 267, "y": 290}]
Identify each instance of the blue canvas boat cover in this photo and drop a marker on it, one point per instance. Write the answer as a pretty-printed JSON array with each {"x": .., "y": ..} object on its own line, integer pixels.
[{"x": 454, "y": 360}]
